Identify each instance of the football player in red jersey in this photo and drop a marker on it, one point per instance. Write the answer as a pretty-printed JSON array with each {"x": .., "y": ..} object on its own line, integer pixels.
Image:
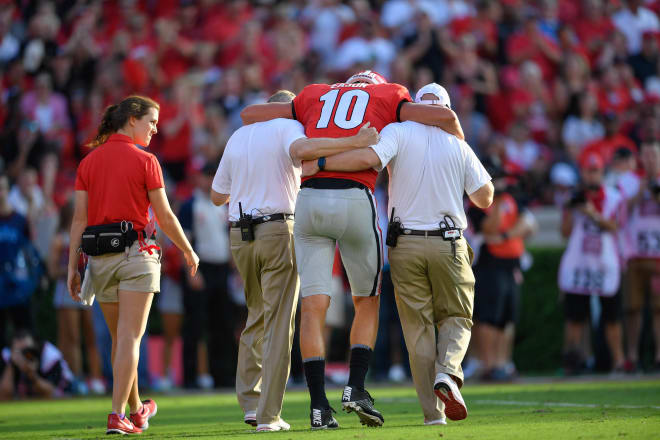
[{"x": 339, "y": 208}]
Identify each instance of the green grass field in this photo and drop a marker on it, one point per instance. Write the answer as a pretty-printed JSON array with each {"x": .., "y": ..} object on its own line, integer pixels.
[{"x": 568, "y": 410}]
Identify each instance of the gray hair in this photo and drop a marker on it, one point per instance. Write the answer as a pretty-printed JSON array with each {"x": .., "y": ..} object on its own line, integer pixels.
[{"x": 282, "y": 96}]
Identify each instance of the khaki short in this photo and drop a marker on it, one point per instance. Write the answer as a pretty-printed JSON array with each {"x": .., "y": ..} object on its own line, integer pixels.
[{"x": 137, "y": 272}]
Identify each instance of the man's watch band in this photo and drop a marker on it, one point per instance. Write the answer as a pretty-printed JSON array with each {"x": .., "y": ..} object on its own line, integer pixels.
[{"x": 321, "y": 163}]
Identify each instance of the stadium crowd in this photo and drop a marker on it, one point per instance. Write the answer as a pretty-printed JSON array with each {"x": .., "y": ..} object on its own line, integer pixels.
[{"x": 537, "y": 86}]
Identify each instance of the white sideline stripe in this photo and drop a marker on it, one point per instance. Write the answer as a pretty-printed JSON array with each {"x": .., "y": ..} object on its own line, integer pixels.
[{"x": 561, "y": 404}]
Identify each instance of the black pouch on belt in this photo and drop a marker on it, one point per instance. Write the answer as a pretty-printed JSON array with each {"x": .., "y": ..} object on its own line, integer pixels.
[
  {"x": 246, "y": 225},
  {"x": 393, "y": 230},
  {"x": 107, "y": 239}
]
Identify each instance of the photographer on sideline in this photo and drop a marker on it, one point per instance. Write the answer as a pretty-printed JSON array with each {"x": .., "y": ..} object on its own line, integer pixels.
[
  {"x": 590, "y": 265},
  {"x": 641, "y": 247},
  {"x": 32, "y": 370}
]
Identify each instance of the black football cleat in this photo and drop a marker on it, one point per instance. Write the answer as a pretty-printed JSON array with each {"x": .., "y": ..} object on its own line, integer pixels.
[
  {"x": 360, "y": 401},
  {"x": 322, "y": 418}
]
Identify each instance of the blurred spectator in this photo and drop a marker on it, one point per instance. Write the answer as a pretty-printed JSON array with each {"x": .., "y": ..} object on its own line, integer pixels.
[
  {"x": 623, "y": 163},
  {"x": 530, "y": 44},
  {"x": 500, "y": 231},
  {"x": 30, "y": 369},
  {"x": 170, "y": 306},
  {"x": 327, "y": 17},
  {"x": 590, "y": 265},
  {"x": 474, "y": 72},
  {"x": 645, "y": 63},
  {"x": 633, "y": 20},
  {"x": 26, "y": 196},
  {"x": 612, "y": 140},
  {"x": 583, "y": 128},
  {"x": 427, "y": 46},
  {"x": 9, "y": 44},
  {"x": 564, "y": 179},
  {"x": 73, "y": 319},
  {"x": 641, "y": 245},
  {"x": 475, "y": 125},
  {"x": 19, "y": 276},
  {"x": 368, "y": 48},
  {"x": 209, "y": 312},
  {"x": 594, "y": 27}
]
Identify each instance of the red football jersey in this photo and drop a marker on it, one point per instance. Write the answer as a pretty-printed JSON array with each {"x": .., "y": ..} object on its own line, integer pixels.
[{"x": 339, "y": 110}]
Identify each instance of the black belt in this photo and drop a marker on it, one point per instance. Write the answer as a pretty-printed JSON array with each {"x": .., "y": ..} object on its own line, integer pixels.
[
  {"x": 332, "y": 183},
  {"x": 434, "y": 233},
  {"x": 266, "y": 218}
]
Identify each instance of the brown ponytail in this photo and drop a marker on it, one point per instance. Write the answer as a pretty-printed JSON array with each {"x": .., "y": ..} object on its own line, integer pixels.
[{"x": 117, "y": 115}]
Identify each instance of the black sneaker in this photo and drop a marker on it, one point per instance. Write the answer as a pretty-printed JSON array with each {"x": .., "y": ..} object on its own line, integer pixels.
[
  {"x": 362, "y": 403},
  {"x": 321, "y": 418}
]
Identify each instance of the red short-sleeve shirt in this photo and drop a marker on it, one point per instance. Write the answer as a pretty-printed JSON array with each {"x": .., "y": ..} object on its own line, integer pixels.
[
  {"x": 117, "y": 176},
  {"x": 339, "y": 110}
]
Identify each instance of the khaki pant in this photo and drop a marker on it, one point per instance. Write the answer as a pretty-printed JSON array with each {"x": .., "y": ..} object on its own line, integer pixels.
[
  {"x": 639, "y": 277},
  {"x": 268, "y": 268},
  {"x": 433, "y": 288}
]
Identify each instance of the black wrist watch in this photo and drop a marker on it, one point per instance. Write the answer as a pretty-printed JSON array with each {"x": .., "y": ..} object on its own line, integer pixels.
[{"x": 321, "y": 163}]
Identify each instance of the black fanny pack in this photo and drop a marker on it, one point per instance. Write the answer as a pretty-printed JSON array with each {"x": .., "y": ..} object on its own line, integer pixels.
[{"x": 108, "y": 239}]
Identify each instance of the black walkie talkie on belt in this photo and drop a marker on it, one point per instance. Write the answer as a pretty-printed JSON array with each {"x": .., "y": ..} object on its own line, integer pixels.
[
  {"x": 245, "y": 223},
  {"x": 393, "y": 231}
]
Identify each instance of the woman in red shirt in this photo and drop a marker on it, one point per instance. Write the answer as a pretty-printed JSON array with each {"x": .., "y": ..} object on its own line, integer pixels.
[{"x": 116, "y": 184}]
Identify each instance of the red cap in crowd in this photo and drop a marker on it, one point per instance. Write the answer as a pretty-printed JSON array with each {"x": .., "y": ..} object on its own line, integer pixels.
[{"x": 591, "y": 161}]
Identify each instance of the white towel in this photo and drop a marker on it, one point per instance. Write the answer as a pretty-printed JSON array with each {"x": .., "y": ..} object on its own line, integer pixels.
[{"x": 86, "y": 291}]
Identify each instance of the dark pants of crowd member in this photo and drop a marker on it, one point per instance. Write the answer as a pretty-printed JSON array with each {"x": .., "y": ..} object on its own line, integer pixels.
[{"x": 209, "y": 313}]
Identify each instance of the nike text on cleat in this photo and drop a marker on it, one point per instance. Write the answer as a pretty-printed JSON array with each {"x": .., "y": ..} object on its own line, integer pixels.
[
  {"x": 321, "y": 418},
  {"x": 447, "y": 391},
  {"x": 361, "y": 402}
]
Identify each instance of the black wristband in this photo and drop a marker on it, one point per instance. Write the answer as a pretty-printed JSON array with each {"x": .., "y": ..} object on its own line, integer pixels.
[{"x": 321, "y": 163}]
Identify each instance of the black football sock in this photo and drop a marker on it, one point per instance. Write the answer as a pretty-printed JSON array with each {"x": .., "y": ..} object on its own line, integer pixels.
[
  {"x": 359, "y": 364},
  {"x": 315, "y": 375}
]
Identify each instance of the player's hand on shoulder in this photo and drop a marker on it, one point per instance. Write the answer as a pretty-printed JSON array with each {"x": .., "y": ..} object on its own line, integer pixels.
[
  {"x": 309, "y": 168},
  {"x": 367, "y": 136}
]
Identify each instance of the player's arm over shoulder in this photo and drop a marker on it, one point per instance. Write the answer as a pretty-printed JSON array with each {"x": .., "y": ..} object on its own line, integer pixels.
[
  {"x": 266, "y": 112},
  {"x": 436, "y": 115}
]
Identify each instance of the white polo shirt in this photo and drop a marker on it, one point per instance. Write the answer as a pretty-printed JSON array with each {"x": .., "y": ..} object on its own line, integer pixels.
[
  {"x": 429, "y": 170},
  {"x": 257, "y": 170}
]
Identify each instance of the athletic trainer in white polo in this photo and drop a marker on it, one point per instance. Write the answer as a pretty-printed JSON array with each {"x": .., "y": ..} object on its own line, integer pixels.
[
  {"x": 429, "y": 170},
  {"x": 260, "y": 170}
]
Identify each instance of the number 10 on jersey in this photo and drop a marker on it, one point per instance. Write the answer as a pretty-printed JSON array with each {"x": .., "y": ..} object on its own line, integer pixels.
[{"x": 341, "y": 119}]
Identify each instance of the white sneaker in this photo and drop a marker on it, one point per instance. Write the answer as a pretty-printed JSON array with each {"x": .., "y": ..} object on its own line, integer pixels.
[
  {"x": 441, "y": 421},
  {"x": 250, "y": 418},
  {"x": 280, "y": 425},
  {"x": 447, "y": 391}
]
